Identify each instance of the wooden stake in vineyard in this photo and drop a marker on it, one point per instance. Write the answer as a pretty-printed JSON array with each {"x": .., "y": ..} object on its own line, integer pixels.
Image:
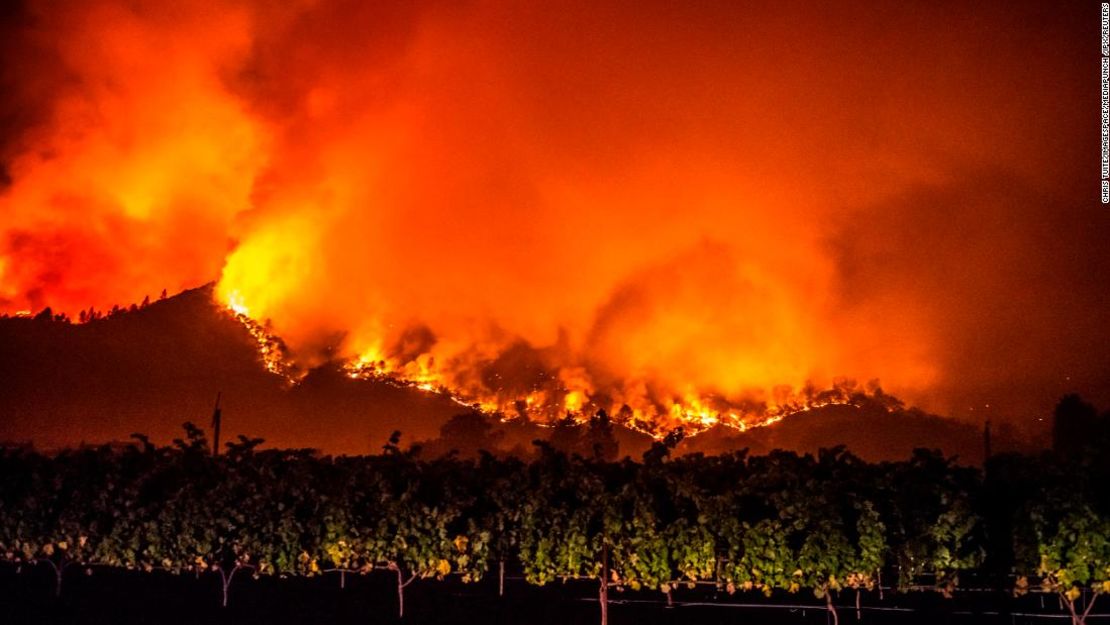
[
  {"x": 603, "y": 591},
  {"x": 216, "y": 426}
]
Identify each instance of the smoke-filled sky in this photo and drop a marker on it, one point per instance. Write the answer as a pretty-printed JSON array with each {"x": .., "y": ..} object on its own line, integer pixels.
[{"x": 646, "y": 201}]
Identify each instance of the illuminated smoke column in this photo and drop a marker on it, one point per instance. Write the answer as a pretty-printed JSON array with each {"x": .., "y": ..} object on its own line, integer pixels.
[
  {"x": 568, "y": 206},
  {"x": 134, "y": 157}
]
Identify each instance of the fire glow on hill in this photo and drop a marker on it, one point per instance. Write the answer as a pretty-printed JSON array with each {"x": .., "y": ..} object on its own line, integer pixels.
[
  {"x": 676, "y": 215},
  {"x": 548, "y": 400}
]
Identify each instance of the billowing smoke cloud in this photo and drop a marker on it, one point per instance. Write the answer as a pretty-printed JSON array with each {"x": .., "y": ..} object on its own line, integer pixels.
[
  {"x": 134, "y": 158},
  {"x": 566, "y": 204}
]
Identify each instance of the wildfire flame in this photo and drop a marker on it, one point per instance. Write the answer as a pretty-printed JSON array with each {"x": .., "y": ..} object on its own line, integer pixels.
[
  {"x": 271, "y": 350},
  {"x": 692, "y": 414}
]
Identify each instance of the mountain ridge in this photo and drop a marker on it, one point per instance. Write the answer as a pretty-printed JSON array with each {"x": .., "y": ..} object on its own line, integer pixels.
[{"x": 148, "y": 369}]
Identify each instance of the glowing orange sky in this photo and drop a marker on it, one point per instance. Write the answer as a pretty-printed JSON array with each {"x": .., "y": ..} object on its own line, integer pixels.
[{"x": 658, "y": 199}]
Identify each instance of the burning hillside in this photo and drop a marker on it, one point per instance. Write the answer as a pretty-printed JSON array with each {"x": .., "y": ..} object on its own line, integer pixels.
[
  {"x": 151, "y": 369},
  {"x": 547, "y": 398}
]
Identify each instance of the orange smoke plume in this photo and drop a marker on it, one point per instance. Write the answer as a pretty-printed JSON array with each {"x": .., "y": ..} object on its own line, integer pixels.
[
  {"x": 536, "y": 208},
  {"x": 134, "y": 177}
]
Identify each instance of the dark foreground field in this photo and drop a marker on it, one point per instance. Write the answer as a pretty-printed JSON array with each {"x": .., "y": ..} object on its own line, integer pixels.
[{"x": 121, "y": 597}]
